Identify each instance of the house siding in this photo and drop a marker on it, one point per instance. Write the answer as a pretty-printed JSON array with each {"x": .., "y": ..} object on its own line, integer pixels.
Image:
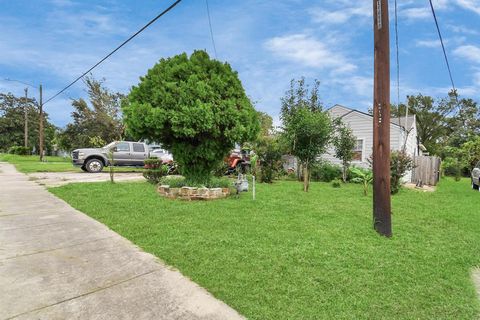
[{"x": 362, "y": 128}]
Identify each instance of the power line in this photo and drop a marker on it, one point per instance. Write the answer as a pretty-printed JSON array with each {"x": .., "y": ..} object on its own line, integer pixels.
[
  {"x": 443, "y": 48},
  {"x": 211, "y": 30},
  {"x": 115, "y": 50}
]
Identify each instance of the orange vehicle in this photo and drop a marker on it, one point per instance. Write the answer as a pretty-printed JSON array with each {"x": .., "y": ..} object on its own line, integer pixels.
[{"x": 238, "y": 161}]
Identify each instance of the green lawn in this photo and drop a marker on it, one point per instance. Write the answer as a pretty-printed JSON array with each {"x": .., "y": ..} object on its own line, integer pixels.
[
  {"x": 293, "y": 255},
  {"x": 31, "y": 164}
]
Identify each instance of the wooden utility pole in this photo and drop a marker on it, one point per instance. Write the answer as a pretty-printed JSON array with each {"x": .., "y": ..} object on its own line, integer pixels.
[
  {"x": 40, "y": 121},
  {"x": 25, "y": 107},
  {"x": 381, "y": 120}
]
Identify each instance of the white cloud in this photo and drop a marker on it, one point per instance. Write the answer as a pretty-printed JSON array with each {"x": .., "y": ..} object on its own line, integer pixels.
[
  {"x": 469, "y": 52},
  {"x": 416, "y": 13},
  {"x": 462, "y": 29},
  {"x": 362, "y": 9},
  {"x": 310, "y": 52},
  {"x": 428, "y": 43},
  {"x": 473, "y": 5}
]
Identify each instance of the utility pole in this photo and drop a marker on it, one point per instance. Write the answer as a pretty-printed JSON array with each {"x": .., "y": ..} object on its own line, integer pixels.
[
  {"x": 26, "y": 117},
  {"x": 382, "y": 222},
  {"x": 40, "y": 121}
]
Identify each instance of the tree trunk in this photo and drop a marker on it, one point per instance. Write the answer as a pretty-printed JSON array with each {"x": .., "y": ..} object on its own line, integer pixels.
[
  {"x": 344, "y": 174},
  {"x": 305, "y": 178}
]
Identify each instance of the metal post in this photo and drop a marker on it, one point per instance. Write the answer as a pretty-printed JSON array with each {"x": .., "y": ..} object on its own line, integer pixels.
[
  {"x": 253, "y": 187},
  {"x": 25, "y": 107},
  {"x": 381, "y": 121},
  {"x": 40, "y": 121}
]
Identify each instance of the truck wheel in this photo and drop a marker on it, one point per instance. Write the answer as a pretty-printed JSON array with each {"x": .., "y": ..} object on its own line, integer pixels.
[
  {"x": 94, "y": 166},
  {"x": 83, "y": 168}
]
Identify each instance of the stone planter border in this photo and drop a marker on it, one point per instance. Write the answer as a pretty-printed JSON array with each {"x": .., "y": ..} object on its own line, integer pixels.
[{"x": 191, "y": 193}]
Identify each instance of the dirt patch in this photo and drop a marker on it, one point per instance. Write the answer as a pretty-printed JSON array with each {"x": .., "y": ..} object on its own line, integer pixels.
[
  {"x": 55, "y": 179},
  {"x": 425, "y": 188}
]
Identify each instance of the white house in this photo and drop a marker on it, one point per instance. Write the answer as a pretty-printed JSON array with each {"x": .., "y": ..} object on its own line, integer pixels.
[{"x": 361, "y": 124}]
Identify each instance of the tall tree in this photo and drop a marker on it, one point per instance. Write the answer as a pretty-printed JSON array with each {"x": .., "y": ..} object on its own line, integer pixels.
[
  {"x": 307, "y": 128},
  {"x": 432, "y": 119},
  {"x": 194, "y": 106},
  {"x": 99, "y": 121},
  {"x": 12, "y": 123}
]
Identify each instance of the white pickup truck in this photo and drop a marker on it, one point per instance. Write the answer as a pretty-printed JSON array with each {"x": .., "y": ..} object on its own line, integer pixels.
[{"x": 125, "y": 154}]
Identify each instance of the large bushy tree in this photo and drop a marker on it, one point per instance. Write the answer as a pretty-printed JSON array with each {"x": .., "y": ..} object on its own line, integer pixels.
[
  {"x": 99, "y": 121},
  {"x": 307, "y": 128},
  {"x": 12, "y": 123},
  {"x": 194, "y": 106}
]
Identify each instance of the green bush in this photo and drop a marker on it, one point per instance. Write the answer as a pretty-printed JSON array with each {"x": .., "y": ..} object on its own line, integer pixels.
[
  {"x": 452, "y": 167},
  {"x": 270, "y": 158},
  {"x": 19, "y": 150},
  {"x": 154, "y": 170},
  {"x": 336, "y": 183},
  {"x": 216, "y": 182},
  {"x": 325, "y": 171},
  {"x": 173, "y": 181},
  {"x": 400, "y": 163},
  {"x": 179, "y": 181}
]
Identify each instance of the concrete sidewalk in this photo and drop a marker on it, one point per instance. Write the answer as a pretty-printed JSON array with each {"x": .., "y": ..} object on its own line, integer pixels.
[{"x": 57, "y": 263}]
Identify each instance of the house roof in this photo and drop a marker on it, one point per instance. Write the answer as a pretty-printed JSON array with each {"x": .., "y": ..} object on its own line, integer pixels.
[{"x": 399, "y": 122}]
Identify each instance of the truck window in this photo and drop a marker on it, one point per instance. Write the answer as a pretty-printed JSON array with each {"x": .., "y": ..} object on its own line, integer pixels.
[
  {"x": 123, "y": 147},
  {"x": 138, "y": 147}
]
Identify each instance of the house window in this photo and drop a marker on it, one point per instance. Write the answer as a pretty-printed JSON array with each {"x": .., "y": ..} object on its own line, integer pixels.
[{"x": 358, "y": 150}]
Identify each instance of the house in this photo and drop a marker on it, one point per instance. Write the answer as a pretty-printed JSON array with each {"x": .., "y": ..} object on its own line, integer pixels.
[{"x": 361, "y": 123}]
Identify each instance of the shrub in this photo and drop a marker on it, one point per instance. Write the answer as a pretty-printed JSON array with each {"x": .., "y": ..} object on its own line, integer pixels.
[
  {"x": 179, "y": 181},
  {"x": 325, "y": 171},
  {"x": 216, "y": 182},
  {"x": 19, "y": 150},
  {"x": 336, "y": 183},
  {"x": 270, "y": 158},
  {"x": 154, "y": 170},
  {"x": 173, "y": 181},
  {"x": 452, "y": 167},
  {"x": 400, "y": 163}
]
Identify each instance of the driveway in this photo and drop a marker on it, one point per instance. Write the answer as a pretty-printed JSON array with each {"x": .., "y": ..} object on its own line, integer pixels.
[
  {"x": 58, "y": 263},
  {"x": 55, "y": 179}
]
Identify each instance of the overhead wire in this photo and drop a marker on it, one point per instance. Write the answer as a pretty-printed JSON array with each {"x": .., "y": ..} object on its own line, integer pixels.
[
  {"x": 211, "y": 29},
  {"x": 444, "y": 51},
  {"x": 113, "y": 51}
]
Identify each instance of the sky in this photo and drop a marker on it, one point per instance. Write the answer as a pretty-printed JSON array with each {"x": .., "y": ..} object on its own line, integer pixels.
[{"x": 268, "y": 42}]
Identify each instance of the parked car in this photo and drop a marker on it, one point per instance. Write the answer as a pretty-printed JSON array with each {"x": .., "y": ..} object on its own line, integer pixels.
[
  {"x": 125, "y": 153},
  {"x": 162, "y": 154},
  {"x": 476, "y": 177}
]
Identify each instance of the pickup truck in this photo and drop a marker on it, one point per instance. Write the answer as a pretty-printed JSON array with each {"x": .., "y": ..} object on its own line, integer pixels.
[{"x": 125, "y": 153}]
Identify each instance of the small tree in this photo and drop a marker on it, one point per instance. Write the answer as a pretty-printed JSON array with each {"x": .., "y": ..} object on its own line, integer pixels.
[
  {"x": 400, "y": 163},
  {"x": 344, "y": 142},
  {"x": 270, "y": 158},
  {"x": 196, "y": 108},
  {"x": 306, "y": 127}
]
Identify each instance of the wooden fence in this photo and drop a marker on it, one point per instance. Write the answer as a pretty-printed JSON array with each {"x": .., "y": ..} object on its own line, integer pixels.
[{"x": 427, "y": 170}]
